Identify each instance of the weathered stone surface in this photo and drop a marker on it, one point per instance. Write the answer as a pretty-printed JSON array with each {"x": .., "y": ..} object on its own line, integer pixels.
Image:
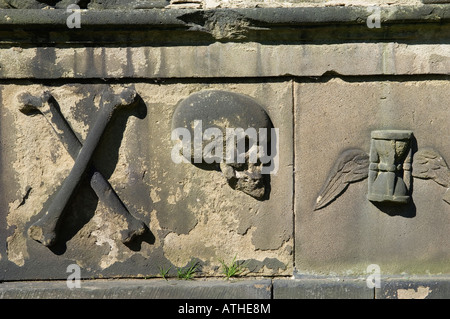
[
  {"x": 321, "y": 289},
  {"x": 225, "y": 60},
  {"x": 436, "y": 1},
  {"x": 139, "y": 289},
  {"x": 414, "y": 288},
  {"x": 427, "y": 287},
  {"x": 302, "y": 288},
  {"x": 144, "y": 4},
  {"x": 124, "y": 4},
  {"x": 191, "y": 213},
  {"x": 84, "y": 4},
  {"x": 352, "y": 233},
  {"x": 326, "y": 79}
]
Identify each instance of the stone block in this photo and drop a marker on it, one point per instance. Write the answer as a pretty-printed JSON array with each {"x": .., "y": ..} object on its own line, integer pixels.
[
  {"x": 224, "y": 60},
  {"x": 414, "y": 288},
  {"x": 321, "y": 289},
  {"x": 338, "y": 229},
  {"x": 191, "y": 212},
  {"x": 139, "y": 289}
]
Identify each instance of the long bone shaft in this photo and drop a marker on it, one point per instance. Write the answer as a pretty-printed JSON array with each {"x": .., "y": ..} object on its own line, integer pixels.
[
  {"x": 47, "y": 106},
  {"x": 44, "y": 230}
]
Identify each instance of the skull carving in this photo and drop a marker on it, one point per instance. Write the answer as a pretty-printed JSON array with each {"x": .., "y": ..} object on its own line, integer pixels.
[{"x": 228, "y": 132}]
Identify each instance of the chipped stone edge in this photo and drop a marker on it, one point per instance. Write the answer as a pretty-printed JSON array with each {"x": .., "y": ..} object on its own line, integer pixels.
[
  {"x": 425, "y": 287},
  {"x": 167, "y": 18},
  {"x": 139, "y": 289},
  {"x": 393, "y": 287}
]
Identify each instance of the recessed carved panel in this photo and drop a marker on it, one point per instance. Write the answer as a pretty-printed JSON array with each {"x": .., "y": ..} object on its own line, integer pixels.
[
  {"x": 91, "y": 181},
  {"x": 389, "y": 168}
]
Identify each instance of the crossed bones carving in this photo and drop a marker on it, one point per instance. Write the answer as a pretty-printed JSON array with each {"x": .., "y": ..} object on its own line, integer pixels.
[{"x": 46, "y": 228}]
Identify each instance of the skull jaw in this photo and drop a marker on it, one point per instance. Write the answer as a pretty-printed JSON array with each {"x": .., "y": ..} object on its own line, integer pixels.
[{"x": 250, "y": 180}]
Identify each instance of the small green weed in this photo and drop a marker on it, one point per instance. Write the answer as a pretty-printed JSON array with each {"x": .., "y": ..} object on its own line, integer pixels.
[
  {"x": 187, "y": 273},
  {"x": 234, "y": 269},
  {"x": 163, "y": 272}
]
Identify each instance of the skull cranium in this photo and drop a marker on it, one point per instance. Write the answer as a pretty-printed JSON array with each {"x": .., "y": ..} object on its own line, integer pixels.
[{"x": 234, "y": 120}]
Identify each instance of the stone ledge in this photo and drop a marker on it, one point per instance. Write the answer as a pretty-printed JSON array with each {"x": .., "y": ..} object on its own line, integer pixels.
[
  {"x": 414, "y": 288},
  {"x": 139, "y": 289},
  {"x": 262, "y": 16},
  {"x": 350, "y": 288},
  {"x": 224, "y": 60},
  {"x": 193, "y": 27},
  {"x": 303, "y": 288},
  {"x": 321, "y": 289}
]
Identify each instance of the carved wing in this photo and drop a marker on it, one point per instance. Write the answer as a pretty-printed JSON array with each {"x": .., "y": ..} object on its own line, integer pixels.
[
  {"x": 351, "y": 166},
  {"x": 429, "y": 164}
]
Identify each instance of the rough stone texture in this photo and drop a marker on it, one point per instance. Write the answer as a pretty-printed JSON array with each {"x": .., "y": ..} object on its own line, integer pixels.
[
  {"x": 351, "y": 232},
  {"x": 206, "y": 4},
  {"x": 414, "y": 288},
  {"x": 303, "y": 288},
  {"x": 83, "y": 4},
  {"x": 192, "y": 213},
  {"x": 425, "y": 287},
  {"x": 326, "y": 80},
  {"x": 321, "y": 289},
  {"x": 124, "y": 4},
  {"x": 436, "y": 1},
  {"x": 180, "y": 27},
  {"x": 225, "y": 60},
  {"x": 140, "y": 289}
]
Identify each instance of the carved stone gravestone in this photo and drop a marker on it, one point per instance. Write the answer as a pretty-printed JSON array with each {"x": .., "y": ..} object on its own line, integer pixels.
[{"x": 155, "y": 136}]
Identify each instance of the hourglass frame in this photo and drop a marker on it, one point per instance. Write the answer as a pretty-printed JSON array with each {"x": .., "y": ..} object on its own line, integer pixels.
[{"x": 390, "y": 166}]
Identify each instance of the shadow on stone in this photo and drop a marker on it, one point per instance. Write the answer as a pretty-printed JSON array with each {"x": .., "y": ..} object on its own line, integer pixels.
[
  {"x": 405, "y": 210},
  {"x": 84, "y": 201},
  {"x": 136, "y": 244}
]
